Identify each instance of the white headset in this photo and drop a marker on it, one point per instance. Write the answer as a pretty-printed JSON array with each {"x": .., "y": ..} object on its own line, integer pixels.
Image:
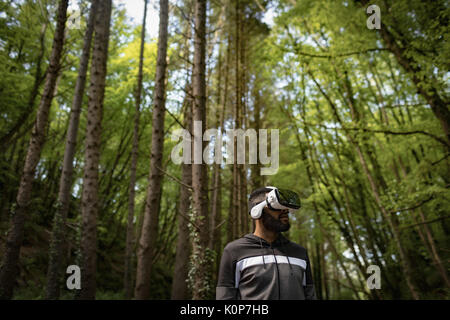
[{"x": 271, "y": 201}]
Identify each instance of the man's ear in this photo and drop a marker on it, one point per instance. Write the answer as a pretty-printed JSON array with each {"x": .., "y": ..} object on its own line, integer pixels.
[{"x": 256, "y": 211}]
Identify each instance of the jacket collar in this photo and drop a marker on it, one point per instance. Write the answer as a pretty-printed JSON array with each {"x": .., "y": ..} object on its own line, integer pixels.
[{"x": 279, "y": 241}]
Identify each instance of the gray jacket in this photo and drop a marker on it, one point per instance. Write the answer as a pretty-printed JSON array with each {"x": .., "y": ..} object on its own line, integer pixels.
[{"x": 253, "y": 269}]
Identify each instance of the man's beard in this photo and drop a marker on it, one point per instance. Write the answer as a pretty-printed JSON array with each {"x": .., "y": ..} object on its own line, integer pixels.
[{"x": 272, "y": 224}]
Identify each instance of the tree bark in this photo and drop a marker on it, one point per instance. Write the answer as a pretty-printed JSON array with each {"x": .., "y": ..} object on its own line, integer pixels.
[
  {"x": 318, "y": 272},
  {"x": 89, "y": 201},
  {"x": 243, "y": 38},
  {"x": 215, "y": 239},
  {"x": 256, "y": 178},
  {"x": 179, "y": 285},
  {"x": 9, "y": 269},
  {"x": 56, "y": 255},
  {"x": 216, "y": 182},
  {"x": 127, "y": 281},
  {"x": 201, "y": 264},
  {"x": 149, "y": 232},
  {"x": 324, "y": 271},
  {"x": 231, "y": 220}
]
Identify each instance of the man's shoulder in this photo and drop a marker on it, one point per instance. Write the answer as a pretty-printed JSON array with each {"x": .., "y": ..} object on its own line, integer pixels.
[
  {"x": 241, "y": 248},
  {"x": 236, "y": 243}
]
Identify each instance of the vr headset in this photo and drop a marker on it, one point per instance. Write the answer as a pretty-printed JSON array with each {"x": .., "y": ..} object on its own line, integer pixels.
[{"x": 277, "y": 199}]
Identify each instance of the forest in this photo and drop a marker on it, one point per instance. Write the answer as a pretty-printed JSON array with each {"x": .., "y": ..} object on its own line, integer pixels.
[{"x": 351, "y": 95}]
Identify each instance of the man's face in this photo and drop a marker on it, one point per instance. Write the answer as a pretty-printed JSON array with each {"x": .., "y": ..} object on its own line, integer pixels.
[{"x": 275, "y": 221}]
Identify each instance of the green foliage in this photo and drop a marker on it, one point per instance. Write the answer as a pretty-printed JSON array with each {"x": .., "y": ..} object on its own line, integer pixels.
[{"x": 317, "y": 74}]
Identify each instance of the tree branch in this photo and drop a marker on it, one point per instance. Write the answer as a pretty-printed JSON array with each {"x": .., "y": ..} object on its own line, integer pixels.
[
  {"x": 424, "y": 222},
  {"x": 421, "y": 203},
  {"x": 384, "y": 131},
  {"x": 297, "y": 50},
  {"x": 174, "y": 178}
]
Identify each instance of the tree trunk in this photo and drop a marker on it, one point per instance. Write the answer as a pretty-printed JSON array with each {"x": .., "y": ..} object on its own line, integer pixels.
[
  {"x": 256, "y": 178},
  {"x": 324, "y": 270},
  {"x": 89, "y": 201},
  {"x": 127, "y": 281},
  {"x": 318, "y": 272},
  {"x": 180, "y": 274},
  {"x": 244, "y": 216},
  {"x": 149, "y": 232},
  {"x": 230, "y": 220},
  {"x": 201, "y": 285},
  {"x": 56, "y": 255},
  {"x": 216, "y": 182},
  {"x": 215, "y": 238},
  {"x": 9, "y": 269}
]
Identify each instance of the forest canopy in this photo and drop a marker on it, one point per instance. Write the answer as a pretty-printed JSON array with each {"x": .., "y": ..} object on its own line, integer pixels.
[{"x": 90, "y": 107}]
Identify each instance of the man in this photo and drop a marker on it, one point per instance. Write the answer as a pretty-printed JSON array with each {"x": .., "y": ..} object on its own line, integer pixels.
[{"x": 265, "y": 265}]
